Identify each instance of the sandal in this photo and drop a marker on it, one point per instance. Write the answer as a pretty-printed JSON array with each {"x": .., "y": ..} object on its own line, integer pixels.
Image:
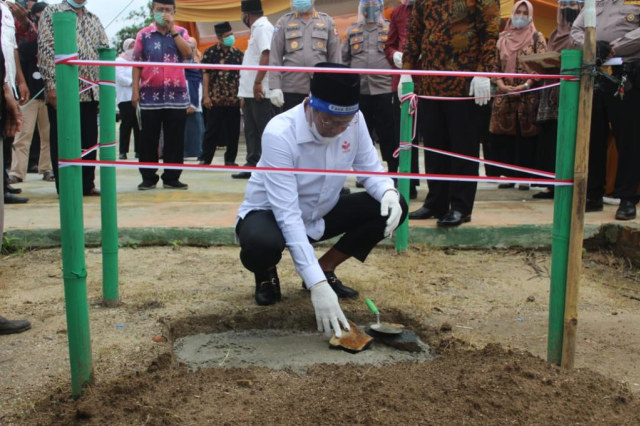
[{"x": 49, "y": 177}]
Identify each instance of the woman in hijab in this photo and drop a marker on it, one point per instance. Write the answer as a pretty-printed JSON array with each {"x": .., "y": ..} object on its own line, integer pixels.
[
  {"x": 512, "y": 127},
  {"x": 547, "y": 119},
  {"x": 128, "y": 119}
]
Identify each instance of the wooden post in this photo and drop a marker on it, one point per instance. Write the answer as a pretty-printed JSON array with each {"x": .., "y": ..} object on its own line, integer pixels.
[{"x": 574, "y": 264}]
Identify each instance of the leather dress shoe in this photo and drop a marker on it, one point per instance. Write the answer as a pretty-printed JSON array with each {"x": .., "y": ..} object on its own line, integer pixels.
[
  {"x": 14, "y": 199},
  {"x": 13, "y": 326},
  {"x": 341, "y": 290},
  {"x": 424, "y": 213},
  {"x": 626, "y": 210},
  {"x": 413, "y": 192},
  {"x": 12, "y": 189},
  {"x": 241, "y": 175},
  {"x": 93, "y": 192},
  {"x": 267, "y": 287},
  {"x": 453, "y": 218},
  {"x": 345, "y": 191},
  {"x": 594, "y": 205}
]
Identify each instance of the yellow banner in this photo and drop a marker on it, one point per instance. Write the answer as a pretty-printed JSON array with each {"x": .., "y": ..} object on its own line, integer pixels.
[{"x": 221, "y": 10}]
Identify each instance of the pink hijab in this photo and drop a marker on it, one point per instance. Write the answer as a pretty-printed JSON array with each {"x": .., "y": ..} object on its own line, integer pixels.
[
  {"x": 127, "y": 49},
  {"x": 513, "y": 40}
]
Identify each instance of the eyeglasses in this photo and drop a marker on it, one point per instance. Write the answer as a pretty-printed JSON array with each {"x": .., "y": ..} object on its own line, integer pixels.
[{"x": 336, "y": 123}]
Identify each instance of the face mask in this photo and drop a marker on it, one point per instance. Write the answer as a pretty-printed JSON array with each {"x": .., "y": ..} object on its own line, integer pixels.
[
  {"x": 229, "y": 40},
  {"x": 519, "y": 22},
  {"x": 569, "y": 14},
  {"x": 75, "y": 5},
  {"x": 246, "y": 20},
  {"x": 318, "y": 137},
  {"x": 301, "y": 5},
  {"x": 159, "y": 18},
  {"x": 372, "y": 13}
]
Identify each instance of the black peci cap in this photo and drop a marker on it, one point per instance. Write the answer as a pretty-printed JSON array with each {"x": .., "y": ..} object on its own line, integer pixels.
[
  {"x": 251, "y": 6},
  {"x": 335, "y": 93},
  {"x": 221, "y": 28}
]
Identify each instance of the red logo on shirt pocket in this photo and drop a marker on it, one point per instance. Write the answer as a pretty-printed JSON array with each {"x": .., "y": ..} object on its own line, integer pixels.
[{"x": 346, "y": 147}]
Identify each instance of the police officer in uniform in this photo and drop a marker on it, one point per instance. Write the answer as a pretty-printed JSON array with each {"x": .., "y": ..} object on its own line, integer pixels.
[
  {"x": 302, "y": 38},
  {"x": 616, "y": 101},
  {"x": 364, "y": 48}
]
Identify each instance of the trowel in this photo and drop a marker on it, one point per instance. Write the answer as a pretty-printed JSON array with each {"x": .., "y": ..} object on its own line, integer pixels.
[{"x": 382, "y": 327}]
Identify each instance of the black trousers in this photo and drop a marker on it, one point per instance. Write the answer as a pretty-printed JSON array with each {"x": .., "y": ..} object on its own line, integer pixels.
[
  {"x": 546, "y": 150},
  {"x": 515, "y": 149},
  {"x": 171, "y": 122},
  {"x": 291, "y": 100},
  {"x": 88, "y": 138},
  {"x": 450, "y": 126},
  {"x": 256, "y": 115},
  {"x": 7, "y": 147},
  {"x": 623, "y": 116},
  {"x": 128, "y": 123},
  {"x": 378, "y": 113},
  {"x": 222, "y": 129},
  {"x": 356, "y": 217}
]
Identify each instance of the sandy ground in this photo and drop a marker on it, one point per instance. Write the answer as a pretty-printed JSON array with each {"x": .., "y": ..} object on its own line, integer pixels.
[{"x": 458, "y": 301}]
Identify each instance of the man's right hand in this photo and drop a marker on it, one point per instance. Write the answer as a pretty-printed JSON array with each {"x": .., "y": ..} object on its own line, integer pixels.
[
  {"x": 277, "y": 97},
  {"x": 328, "y": 312},
  {"x": 135, "y": 99},
  {"x": 206, "y": 102},
  {"x": 52, "y": 98}
]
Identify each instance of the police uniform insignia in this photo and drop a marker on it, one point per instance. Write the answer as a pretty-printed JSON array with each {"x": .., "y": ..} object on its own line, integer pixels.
[
  {"x": 292, "y": 24},
  {"x": 631, "y": 17},
  {"x": 320, "y": 24},
  {"x": 355, "y": 30},
  {"x": 632, "y": 2},
  {"x": 335, "y": 31},
  {"x": 383, "y": 38},
  {"x": 356, "y": 46},
  {"x": 320, "y": 45},
  {"x": 294, "y": 44}
]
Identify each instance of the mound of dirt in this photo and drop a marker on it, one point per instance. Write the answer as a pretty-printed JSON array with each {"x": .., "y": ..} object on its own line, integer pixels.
[{"x": 492, "y": 386}]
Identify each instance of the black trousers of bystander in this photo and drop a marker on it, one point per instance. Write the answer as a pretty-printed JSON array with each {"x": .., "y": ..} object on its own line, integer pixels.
[{"x": 171, "y": 122}]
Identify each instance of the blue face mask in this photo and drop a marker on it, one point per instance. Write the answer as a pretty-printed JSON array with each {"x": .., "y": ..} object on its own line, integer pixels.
[
  {"x": 301, "y": 5},
  {"x": 229, "y": 40},
  {"x": 520, "y": 22},
  {"x": 159, "y": 18},
  {"x": 75, "y": 5}
]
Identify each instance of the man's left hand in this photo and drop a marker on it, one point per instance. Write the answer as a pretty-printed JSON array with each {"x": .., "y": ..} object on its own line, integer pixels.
[
  {"x": 13, "y": 122},
  {"x": 390, "y": 206},
  {"x": 23, "y": 90}
]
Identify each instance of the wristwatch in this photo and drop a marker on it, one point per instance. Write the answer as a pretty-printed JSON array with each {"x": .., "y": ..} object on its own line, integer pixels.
[
  {"x": 526, "y": 86},
  {"x": 175, "y": 35}
]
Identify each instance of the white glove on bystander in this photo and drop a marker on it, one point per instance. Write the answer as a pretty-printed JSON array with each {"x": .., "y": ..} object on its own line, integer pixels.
[
  {"x": 404, "y": 78},
  {"x": 328, "y": 312},
  {"x": 397, "y": 59},
  {"x": 276, "y": 97},
  {"x": 390, "y": 206},
  {"x": 481, "y": 89}
]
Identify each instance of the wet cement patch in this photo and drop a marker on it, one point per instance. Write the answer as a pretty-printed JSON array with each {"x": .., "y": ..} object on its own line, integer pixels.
[{"x": 279, "y": 350}]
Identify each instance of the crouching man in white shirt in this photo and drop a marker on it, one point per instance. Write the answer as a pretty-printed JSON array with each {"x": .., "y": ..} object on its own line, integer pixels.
[{"x": 288, "y": 209}]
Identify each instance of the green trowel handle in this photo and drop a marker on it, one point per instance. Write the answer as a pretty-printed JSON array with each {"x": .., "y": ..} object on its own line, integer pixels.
[{"x": 372, "y": 307}]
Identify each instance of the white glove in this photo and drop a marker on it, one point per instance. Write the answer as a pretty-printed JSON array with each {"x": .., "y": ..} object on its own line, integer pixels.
[
  {"x": 404, "y": 78},
  {"x": 397, "y": 59},
  {"x": 390, "y": 206},
  {"x": 277, "y": 97},
  {"x": 328, "y": 311},
  {"x": 481, "y": 89}
]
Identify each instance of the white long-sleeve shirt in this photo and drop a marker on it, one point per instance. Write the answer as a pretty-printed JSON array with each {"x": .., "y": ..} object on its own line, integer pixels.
[
  {"x": 9, "y": 45},
  {"x": 299, "y": 201},
  {"x": 124, "y": 79}
]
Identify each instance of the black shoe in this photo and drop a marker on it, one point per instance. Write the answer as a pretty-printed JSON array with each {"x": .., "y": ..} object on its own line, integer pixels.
[
  {"x": 175, "y": 184},
  {"x": 13, "y": 326},
  {"x": 267, "y": 288},
  {"x": 345, "y": 191},
  {"x": 122, "y": 156},
  {"x": 543, "y": 195},
  {"x": 506, "y": 185},
  {"x": 202, "y": 163},
  {"x": 231, "y": 164},
  {"x": 359, "y": 185},
  {"x": 93, "y": 192},
  {"x": 10, "y": 198},
  {"x": 341, "y": 290},
  {"x": 626, "y": 210},
  {"x": 33, "y": 169},
  {"x": 12, "y": 189},
  {"x": 453, "y": 218},
  {"x": 523, "y": 187},
  {"x": 424, "y": 213},
  {"x": 241, "y": 175},
  {"x": 145, "y": 185},
  {"x": 594, "y": 205}
]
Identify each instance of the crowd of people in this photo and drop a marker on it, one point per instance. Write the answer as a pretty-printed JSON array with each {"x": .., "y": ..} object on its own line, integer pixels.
[{"x": 295, "y": 119}]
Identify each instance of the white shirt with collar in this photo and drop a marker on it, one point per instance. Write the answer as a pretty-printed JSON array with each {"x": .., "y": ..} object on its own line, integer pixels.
[
  {"x": 9, "y": 44},
  {"x": 260, "y": 40},
  {"x": 300, "y": 201}
]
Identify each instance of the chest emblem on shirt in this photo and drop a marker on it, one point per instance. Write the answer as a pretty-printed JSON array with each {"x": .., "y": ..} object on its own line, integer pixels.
[
  {"x": 631, "y": 17},
  {"x": 346, "y": 147}
]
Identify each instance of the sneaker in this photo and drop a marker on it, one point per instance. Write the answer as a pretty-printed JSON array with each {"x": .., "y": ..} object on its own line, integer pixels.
[
  {"x": 175, "y": 184},
  {"x": 145, "y": 186}
]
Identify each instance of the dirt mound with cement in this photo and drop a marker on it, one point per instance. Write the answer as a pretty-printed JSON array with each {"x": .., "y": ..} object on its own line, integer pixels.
[{"x": 491, "y": 386}]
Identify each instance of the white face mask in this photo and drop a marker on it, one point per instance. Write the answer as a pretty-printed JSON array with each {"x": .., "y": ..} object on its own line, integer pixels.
[
  {"x": 520, "y": 22},
  {"x": 318, "y": 137}
]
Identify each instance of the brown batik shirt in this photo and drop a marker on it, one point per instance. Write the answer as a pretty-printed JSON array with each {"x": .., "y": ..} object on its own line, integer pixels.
[
  {"x": 451, "y": 35},
  {"x": 223, "y": 85}
]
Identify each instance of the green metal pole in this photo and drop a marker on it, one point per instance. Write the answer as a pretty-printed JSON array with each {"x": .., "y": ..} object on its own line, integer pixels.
[
  {"x": 108, "y": 202},
  {"x": 71, "y": 222},
  {"x": 406, "y": 131},
  {"x": 563, "y": 198}
]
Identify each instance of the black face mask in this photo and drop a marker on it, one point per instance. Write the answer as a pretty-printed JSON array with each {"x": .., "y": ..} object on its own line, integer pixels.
[{"x": 569, "y": 14}]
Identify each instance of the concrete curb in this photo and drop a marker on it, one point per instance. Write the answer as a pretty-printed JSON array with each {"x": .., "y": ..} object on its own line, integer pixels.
[{"x": 525, "y": 236}]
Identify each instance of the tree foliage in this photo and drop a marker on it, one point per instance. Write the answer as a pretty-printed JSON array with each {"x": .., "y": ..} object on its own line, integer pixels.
[{"x": 139, "y": 18}]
